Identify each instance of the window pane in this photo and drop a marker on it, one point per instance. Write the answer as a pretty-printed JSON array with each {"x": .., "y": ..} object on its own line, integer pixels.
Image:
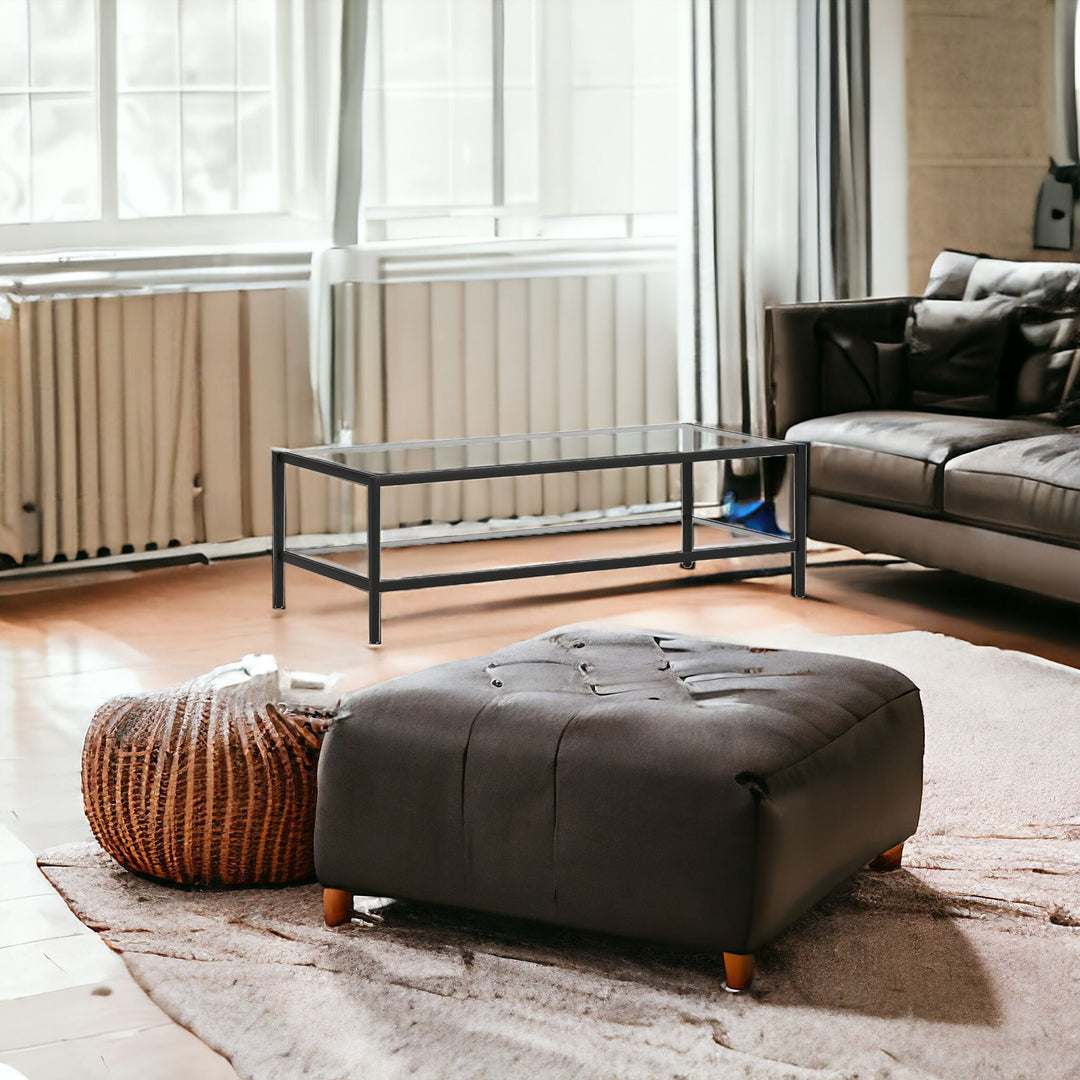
[
  {"x": 521, "y": 177},
  {"x": 215, "y": 144},
  {"x": 147, "y": 47},
  {"x": 417, "y": 150},
  {"x": 148, "y": 153},
  {"x": 255, "y": 26},
  {"x": 656, "y": 43},
  {"x": 519, "y": 43},
  {"x": 416, "y": 38},
  {"x": 471, "y": 39},
  {"x": 258, "y": 187},
  {"x": 472, "y": 228},
  {"x": 208, "y": 42},
  {"x": 373, "y": 152},
  {"x": 209, "y": 141},
  {"x": 472, "y": 145},
  {"x": 196, "y": 108},
  {"x": 64, "y": 168},
  {"x": 583, "y": 228},
  {"x": 601, "y": 42},
  {"x": 600, "y": 151},
  {"x": 656, "y": 149},
  {"x": 62, "y": 44},
  {"x": 14, "y": 61},
  {"x": 15, "y": 159}
]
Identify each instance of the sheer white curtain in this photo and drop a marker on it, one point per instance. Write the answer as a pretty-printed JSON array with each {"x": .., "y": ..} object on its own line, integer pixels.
[
  {"x": 780, "y": 180},
  {"x": 339, "y": 27}
]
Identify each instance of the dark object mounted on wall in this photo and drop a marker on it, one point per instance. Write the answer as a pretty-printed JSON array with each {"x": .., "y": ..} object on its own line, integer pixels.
[{"x": 1054, "y": 210}]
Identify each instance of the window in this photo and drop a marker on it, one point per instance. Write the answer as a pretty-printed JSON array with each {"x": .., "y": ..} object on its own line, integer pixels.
[
  {"x": 522, "y": 118},
  {"x": 49, "y": 170},
  {"x": 119, "y": 114},
  {"x": 195, "y": 130}
]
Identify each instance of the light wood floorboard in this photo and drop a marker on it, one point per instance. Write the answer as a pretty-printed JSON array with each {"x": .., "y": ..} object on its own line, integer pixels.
[{"x": 68, "y": 1007}]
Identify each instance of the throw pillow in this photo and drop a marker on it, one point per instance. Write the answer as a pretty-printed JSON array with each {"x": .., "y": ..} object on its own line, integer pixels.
[
  {"x": 1043, "y": 361},
  {"x": 858, "y": 373},
  {"x": 956, "y": 350}
]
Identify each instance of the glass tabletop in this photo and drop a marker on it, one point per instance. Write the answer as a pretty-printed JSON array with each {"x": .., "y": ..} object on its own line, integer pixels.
[{"x": 594, "y": 448}]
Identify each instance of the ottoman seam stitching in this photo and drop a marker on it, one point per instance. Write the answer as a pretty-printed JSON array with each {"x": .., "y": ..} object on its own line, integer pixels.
[
  {"x": 752, "y": 890},
  {"x": 465, "y": 883},
  {"x": 555, "y": 812}
]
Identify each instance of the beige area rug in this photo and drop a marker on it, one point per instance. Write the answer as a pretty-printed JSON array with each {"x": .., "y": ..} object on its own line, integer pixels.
[{"x": 964, "y": 964}]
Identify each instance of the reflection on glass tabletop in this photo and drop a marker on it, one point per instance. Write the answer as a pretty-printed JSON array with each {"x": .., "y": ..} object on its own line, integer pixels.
[{"x": 602, "y": 446}]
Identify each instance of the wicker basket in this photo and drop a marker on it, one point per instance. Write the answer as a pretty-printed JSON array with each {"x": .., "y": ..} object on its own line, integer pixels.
[{"x": 207, "y": 783}]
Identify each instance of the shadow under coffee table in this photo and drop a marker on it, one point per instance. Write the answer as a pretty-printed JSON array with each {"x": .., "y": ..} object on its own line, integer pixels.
[{"x": 388, "y": 465}]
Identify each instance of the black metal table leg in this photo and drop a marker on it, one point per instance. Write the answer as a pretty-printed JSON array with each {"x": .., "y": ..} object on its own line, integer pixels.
[
  {"x": 799, "y": 495},
  {"x": 374, "y": 559},
  {"x": 277, "y": 561},
  {"x": 686, "y": 494}
]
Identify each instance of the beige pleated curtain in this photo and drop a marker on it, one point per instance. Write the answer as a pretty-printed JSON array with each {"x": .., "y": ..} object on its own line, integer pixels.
[
  {"x": 129, "y": 422},
  {"x": 454, "y": 359}
]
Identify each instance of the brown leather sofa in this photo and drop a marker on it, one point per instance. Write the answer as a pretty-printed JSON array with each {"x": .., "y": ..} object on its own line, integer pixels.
[{"x": 944, "y": 428}]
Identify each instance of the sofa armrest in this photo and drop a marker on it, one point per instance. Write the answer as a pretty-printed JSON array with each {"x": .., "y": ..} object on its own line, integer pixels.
[{"x": 800, "y": 384}]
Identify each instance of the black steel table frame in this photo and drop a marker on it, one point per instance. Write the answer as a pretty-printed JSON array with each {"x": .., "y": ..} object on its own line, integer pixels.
[{"x": 374, "y": 584}]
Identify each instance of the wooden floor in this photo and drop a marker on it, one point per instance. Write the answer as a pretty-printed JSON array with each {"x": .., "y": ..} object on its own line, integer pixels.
[{"x": 68, "y": 1008}]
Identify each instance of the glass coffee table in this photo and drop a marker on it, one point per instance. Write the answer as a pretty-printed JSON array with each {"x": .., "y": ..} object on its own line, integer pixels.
[{"x": 389, "y": 465}]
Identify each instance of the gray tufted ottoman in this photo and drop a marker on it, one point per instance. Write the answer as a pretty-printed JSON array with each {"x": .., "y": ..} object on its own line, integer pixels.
[{"x": 663, "y": 787}]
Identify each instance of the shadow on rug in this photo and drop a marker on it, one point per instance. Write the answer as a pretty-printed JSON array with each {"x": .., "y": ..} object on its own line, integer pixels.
[{"x": 962, "y": 965}]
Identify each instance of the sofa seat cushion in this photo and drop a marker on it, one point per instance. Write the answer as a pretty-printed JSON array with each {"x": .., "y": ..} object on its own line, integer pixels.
[
  {"x": 1030, "y": 486},
  {"x": 896, "y": 458}
]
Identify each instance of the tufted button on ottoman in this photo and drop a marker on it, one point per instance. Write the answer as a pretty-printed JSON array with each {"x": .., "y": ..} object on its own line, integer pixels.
[{"x": 671, "y": 788}]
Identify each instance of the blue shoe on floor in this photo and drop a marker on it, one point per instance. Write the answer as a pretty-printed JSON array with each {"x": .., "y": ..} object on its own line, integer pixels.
[{"x": 759, "y": 515}]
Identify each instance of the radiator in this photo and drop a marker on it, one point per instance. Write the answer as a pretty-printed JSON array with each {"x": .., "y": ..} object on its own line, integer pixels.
[
  {"x": 457, "y": 358},
  {"x": 136, "y": 422}
]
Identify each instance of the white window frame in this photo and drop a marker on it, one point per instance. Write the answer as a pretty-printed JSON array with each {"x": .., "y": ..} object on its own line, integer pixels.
[{"x": 236, "y": 229}]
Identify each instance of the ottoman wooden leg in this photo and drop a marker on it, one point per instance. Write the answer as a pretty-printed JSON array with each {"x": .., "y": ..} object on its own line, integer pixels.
[
  {"x": 889, "y": 860},
  {"x": 336, "y": 906},
  {"x": 738, "y": 971}
]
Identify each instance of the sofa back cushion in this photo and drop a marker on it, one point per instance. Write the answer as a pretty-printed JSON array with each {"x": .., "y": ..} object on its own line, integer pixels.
[
  {"x": 1046, "y": 283},
  {"x": 949, "y": 275},
  {"x": 956, "y": 349}
]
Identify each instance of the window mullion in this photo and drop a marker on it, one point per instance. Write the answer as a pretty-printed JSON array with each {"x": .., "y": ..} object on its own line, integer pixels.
[
  {"x": 287, "y": 82},
  {"x": 238, "y": 147},
  {"x": 29, "y": 173},
  {"x": 384, "y": 167},
  {"x": 179, "y": 193},
  {"x": 107, "y": 109},
  {"x": 554, "y": 108},
  {"x": 498, "y": 106}
]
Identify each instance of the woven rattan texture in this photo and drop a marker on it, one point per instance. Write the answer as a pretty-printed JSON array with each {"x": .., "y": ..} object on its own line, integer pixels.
[{"x": 207, "y": 783}]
